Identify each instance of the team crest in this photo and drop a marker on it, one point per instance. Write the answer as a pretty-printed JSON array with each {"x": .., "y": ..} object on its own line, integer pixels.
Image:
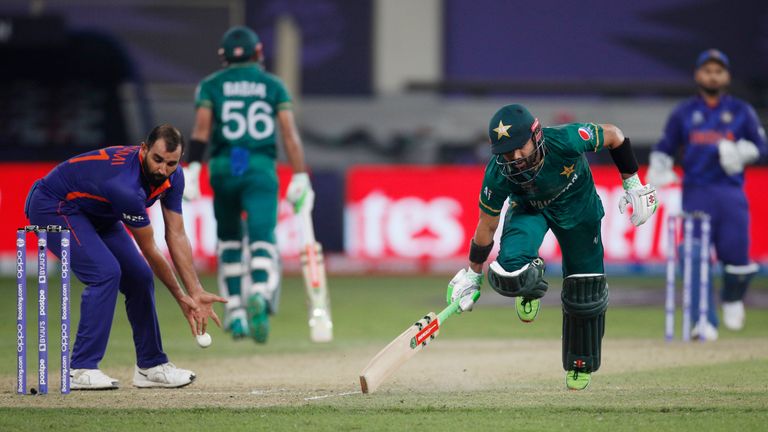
[
  {"x": 726, "y": 117},
  {"x": 585, "y": 134},
  {"x": 697, "y": 117},
  {"x": 568, "y": 170},
  {"x": 501, "y": 130}
]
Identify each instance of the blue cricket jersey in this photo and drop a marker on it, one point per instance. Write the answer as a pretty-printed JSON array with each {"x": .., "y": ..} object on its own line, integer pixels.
[
  {"x": 698, "y": 127},
  {"x": 109, "y": 184}
]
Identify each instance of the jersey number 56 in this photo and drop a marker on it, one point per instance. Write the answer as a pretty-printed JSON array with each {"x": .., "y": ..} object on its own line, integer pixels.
[{"x": 257, "y": 121}]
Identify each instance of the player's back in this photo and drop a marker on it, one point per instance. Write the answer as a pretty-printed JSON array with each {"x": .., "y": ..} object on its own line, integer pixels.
[
  {"x": 245, "y": 100},
  {"x": 89, "y": 180}
]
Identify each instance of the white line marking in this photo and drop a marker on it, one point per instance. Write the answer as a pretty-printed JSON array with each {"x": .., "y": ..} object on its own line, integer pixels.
[{"x": 332, "y": 395}]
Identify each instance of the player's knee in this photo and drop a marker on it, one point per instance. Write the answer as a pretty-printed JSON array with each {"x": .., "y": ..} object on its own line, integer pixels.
[
  {"x": 526, "y": 281},
  {"x": 110, "y": 274},
  {"x": 140, "y": 276},
  {"x": 585, "y": 295},
  {"x": 265, "y": 261}
]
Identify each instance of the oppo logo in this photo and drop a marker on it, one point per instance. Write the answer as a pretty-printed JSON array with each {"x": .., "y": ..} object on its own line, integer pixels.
[
  {"x": 19, "y": 264},
  {"x": 64, "y": 264}
]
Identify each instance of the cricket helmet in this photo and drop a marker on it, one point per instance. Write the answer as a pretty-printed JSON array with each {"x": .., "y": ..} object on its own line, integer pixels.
[
  {"x": 238, "y": 44},
  {"x": 509, "y": 130}
]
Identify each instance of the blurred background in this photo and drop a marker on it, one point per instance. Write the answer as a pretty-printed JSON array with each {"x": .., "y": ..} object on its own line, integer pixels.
[{"x": 393, "y": 99}]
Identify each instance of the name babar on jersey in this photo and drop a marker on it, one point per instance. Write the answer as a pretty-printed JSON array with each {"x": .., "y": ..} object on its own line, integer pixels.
[{"x": 244, "y": 88}]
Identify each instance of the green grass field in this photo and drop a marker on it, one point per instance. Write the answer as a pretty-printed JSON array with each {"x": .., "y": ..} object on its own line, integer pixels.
[{"x": 486, "y": 371}]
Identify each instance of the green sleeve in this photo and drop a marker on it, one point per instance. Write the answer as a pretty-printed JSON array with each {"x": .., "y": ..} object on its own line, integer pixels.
[
  {"x": 494, "y": 190},
  {"x": 203, "y": 96},
  {"x": 576, "y": 138},
  {"x": 283, "y": 98}
]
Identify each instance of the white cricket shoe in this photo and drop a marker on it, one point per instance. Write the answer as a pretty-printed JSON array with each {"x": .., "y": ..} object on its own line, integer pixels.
[
  {"x": 164, "y": 375},
  {"x": 91, "y": 379},
  {"x": 704, "y": 331},
  {"x": 734, "y": 315}
]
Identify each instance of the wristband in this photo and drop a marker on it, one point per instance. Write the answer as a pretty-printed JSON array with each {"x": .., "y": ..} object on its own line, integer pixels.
[
  {"x": 196, "y": 150},
  {"x": 478, "y": 254},
  {"x": 624, "y": 158}
]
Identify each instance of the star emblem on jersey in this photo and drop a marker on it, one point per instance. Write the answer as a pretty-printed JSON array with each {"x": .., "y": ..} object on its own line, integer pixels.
[
  {"x": 502, "y": 130},
  {"x": 568, "y": 170}
]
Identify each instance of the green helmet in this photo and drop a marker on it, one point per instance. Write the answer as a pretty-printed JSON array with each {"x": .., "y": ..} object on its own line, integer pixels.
[
  {"x": 510, "y": 129},
  {"x": 238, "y": 44}
]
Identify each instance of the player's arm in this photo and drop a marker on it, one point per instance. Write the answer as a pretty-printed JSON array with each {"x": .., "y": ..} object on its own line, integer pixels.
[
  {"x": 291, "y": 140},
  {"x": 465, "y": 286},
  {"x": 735, "y": 156},
  {"x": 299, "y": 189},
  {"x": 201, "y": 133},
  {"x": 482, "y": 241},
  {"x": 145, "y": 239},
  {"x": 181, "y": 254},
  {"x": 661, "y": 160},
  {"x": 641, "y": 197},
  {"x": 620, "y": 149}
]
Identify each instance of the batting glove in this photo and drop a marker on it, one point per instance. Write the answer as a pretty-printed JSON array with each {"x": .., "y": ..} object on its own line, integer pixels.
[
  {"x": 300, "y": 193},
  {"x": 641, "y": 197},
  {"x": 465, "y": 286},
  {"x": 192, "y": 181}
]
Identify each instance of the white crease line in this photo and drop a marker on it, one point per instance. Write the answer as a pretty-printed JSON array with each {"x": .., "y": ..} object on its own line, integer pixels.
[
  {"x": 332, "y": 395},
  {"x": 266, "y": 392}
]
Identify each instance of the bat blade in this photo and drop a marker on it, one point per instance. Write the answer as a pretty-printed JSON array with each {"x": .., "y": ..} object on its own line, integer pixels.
[
  {"x": 399, "y": 351},
  {"x": 315, "y": 282},
  {"x": 405, "y": 346}
]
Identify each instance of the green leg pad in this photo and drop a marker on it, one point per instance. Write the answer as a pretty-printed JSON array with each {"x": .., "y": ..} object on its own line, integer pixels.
[{"x": 585, "y": 300}]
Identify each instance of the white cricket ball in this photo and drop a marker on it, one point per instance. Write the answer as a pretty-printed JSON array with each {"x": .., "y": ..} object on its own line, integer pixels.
[{"x": 204, "y": 340}]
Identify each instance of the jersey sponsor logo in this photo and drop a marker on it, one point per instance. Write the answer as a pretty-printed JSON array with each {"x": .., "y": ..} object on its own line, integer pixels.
[
  {"x": 541, "y": 204},
  {"x": 709, "y": 137},
  {"x": 585, "y": 134},
  {"x": 244, "y": 88},
  {"x": 487, "y": 193},
  {"x": 133, "y": 218}
]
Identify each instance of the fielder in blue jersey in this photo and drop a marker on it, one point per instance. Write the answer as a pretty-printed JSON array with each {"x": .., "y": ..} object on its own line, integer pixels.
[
  {"x": 97, "y": 195},
  {"x": 717, "y": 135}
]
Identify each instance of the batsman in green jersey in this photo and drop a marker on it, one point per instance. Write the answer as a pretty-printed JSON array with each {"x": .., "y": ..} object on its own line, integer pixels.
[
  {"x": 239, "y": 110},
  {"x": 545, "y": 176}
]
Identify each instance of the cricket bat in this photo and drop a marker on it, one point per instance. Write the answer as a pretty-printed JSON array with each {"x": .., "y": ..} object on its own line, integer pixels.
[
  {"x": 405, "y": 346},
  {"x": 313, "y": 269}
]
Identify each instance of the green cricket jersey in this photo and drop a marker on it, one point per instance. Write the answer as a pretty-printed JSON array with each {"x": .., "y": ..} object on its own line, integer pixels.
[
  {"x": 563, "y": 191},
  {"x": 245, "y": 100}
]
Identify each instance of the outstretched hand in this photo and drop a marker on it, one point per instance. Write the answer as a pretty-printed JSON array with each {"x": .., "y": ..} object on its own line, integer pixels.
[
  {"x": 198, "y": 308},
  {"x": 642, "y": 199}
]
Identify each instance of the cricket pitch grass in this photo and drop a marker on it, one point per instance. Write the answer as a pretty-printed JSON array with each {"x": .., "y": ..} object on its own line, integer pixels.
[{"x": 485, "y": 371}]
